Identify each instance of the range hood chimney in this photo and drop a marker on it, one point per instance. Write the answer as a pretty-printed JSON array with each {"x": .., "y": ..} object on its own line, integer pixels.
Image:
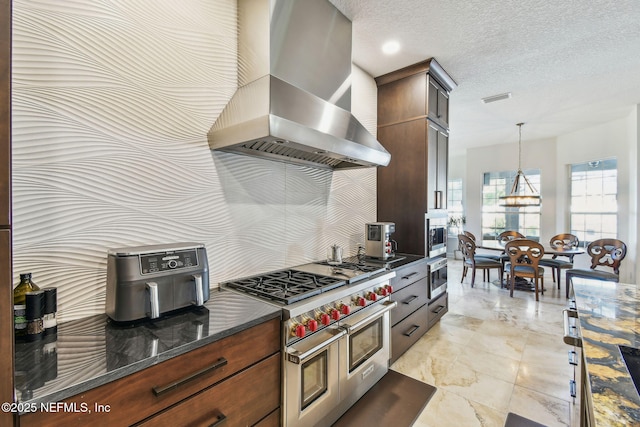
[{"x": 294, "y": 98}]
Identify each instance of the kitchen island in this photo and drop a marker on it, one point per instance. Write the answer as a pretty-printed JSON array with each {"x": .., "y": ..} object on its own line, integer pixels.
[{"x": 609, "y": 316}]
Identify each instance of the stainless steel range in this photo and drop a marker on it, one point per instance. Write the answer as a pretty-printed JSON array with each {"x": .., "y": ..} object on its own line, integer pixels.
[{"x": 335, "y": 333}]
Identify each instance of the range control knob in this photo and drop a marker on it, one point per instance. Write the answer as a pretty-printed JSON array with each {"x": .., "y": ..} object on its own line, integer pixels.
[
  {"x": 335, "y": 314},
  {"x": 389, "y": 288},
  {"x": 382, "y": 292},
  {"x": 299, "y": 331},
  {"x": 325, "y": 319},
  {"x": 312, "y": 325},
  {"x": 345, "y": 309},
  {"x": 372, "y": 296},
  {"x": 361, "y": 301}
]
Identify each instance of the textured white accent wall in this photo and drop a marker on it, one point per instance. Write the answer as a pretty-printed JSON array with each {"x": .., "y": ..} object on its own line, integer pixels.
[{"x": 112, "y": 102}]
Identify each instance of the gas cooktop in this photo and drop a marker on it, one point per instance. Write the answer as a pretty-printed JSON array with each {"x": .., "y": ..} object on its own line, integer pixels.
[{"x": 286, "y": 286}]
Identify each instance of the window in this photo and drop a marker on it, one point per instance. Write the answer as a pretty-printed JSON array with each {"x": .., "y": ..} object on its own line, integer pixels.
[
  {"x": 454, "y": 206},
  {"x": 594, "y": 205},
  {"x": 496, "y": 218}
]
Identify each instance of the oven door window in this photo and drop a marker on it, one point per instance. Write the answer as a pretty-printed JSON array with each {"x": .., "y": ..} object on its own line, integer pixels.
[
  {"x": 365, "y": 343},
  {"x": 438, "y": 278},
  {"x": 314, "y": 378}
]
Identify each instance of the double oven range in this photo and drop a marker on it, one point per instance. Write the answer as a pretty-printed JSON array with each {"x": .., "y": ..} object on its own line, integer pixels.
[{"x": 335, "y": 333}]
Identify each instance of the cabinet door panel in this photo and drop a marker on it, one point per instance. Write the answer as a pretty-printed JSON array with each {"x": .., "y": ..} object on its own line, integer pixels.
[
  {"x": 438, "y": 308},
  {"x": 443, "y": 165},
  {"x": 402, "y": 100},
  {"x": 438, "y": 103},
  {"x": 402, "y": 184},
  {"x": 6, "y": 326},
  {"x": 432, "y": 165},
  {"x": 408, "y": 331},
  {"x": 443, "y": 108}
]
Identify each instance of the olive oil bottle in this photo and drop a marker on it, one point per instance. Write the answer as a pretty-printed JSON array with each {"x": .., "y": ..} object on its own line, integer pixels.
[{"x": 20, "y": 307}]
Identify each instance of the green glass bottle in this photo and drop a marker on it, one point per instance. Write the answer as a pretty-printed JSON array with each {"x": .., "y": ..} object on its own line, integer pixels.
[{"x": 19, "y": 305}]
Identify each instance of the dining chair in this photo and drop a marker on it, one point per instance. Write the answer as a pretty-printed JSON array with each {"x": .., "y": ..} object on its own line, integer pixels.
[
  {"x": 469, "y": 260},
  {"x": 504, "y": 238},
  {"x": 560, "y": 241},
  {"x": 508, "y": 235},
  {"x": 473, "y": 237},
  {"x": 607, "y": 253},
  {"x": 524, "y": 257}
]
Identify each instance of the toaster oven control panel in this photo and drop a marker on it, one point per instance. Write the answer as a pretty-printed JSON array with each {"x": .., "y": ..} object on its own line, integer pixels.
[{"x": 165, "y": 261}]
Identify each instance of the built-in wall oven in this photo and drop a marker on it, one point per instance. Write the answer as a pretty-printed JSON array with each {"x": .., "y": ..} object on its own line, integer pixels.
[
  {"x": 437, "y": 277},
  {"x": 436, "y": 233}
]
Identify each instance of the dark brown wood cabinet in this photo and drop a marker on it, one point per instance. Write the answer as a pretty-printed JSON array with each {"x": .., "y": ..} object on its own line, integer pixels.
[
  {"x": 413, "y": 125},
  {"x": 235, "y": 380},
  {"x": 6, "y": 275},
  {"x": 437, "y": 309},
  {"x": 437, "y": 166},
  {"x": 410, "y": 318}
]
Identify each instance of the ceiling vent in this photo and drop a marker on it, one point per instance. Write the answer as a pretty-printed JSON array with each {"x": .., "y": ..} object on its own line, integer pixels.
[{"x": 495, "y": 98}]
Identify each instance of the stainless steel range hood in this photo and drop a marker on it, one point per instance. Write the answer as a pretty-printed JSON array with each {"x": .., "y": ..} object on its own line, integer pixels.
[{"x": 294, "y": 98}]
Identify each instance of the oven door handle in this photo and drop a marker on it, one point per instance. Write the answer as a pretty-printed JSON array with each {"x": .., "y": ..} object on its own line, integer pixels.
[
  {"x": 299, "y": 357},
  {"x": 380, "y": 310}
]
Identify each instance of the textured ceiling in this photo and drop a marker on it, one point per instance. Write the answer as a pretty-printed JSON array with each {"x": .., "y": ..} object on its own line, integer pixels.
[{"x": 568, "y": 64}]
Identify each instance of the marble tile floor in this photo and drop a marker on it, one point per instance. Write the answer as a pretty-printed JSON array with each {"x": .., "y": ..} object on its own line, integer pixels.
[{"x": 492, "y": 354}]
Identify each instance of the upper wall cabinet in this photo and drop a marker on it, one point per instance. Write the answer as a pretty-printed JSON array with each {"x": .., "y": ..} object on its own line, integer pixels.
[
  {"x": 418, "y": 91},
  {"x": 438, "y": 109}
]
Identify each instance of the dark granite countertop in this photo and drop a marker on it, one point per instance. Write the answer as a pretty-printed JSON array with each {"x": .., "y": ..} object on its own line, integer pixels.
[
  {"x": 94, "y": 351},
  {"x": 609, "y": 316}
]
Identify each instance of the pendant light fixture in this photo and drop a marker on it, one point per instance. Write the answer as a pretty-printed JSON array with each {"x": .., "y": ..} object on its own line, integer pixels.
[{"x": 519, "y": 197}]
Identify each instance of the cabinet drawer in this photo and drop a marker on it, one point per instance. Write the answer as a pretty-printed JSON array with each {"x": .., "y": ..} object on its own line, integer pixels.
[
  {"x": 271, "y": 420},
  {"x": 409, "y": 274},
  {"x": 242, "y": 400},
  {"x": 409, "y": 299},
  {"x": 408, "y": 331},
  {"x": 132, "y": 398},
  {"x": 438, "y": 308}
]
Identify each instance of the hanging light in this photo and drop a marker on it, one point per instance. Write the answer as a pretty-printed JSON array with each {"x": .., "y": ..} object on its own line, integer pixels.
[{"x": 517, "y": 198}]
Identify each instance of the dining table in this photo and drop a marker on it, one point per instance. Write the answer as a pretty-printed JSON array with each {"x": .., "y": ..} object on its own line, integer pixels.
[
  {"x": 523, "y": 284},
  {"x": 495, "y": 245}
]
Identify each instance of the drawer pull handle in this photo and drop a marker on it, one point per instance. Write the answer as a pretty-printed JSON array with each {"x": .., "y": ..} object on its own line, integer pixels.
[
  {"x": 573, "y": 392},
  {"x": 411, "y": 331},
  {"x": 171, "y": 386},
  {"x": 439, "y": 309},
  {"x": 410, "y": 275},
  {"x": 221, "y": 419},
  {"x": 410, "y": 299}
]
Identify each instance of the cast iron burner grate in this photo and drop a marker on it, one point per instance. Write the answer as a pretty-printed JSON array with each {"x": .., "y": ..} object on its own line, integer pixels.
[
  {"x": 345, "y": 265},
  {"x": 285, "y": 286}
]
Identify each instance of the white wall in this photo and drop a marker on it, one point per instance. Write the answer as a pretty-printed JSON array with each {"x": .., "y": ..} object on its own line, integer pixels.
[
  {"x": 618, "y": 139},
  {"x": 111, "y": 106}
]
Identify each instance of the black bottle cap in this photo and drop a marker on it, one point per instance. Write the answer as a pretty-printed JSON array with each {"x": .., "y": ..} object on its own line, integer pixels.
[
  {"x": 25, "y": 276},
  {"x": 50, "y": 300},
  {"x": 34, "y": 302}
]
